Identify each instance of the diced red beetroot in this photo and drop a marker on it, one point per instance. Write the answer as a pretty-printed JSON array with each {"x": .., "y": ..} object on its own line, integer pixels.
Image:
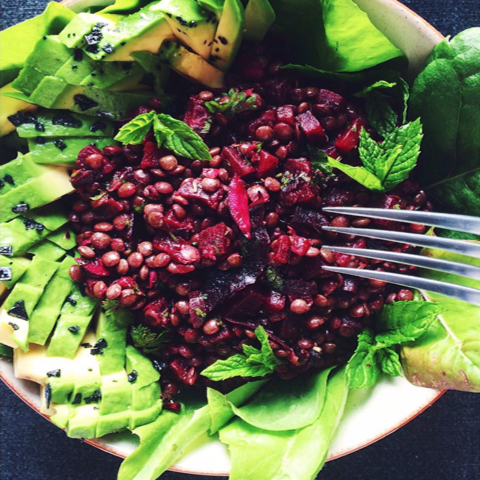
[
  {"x": 179, "y": 252},
  {"x": 313, "y": 268},
  {"x": 297, "y": 166},
  {"x": 336, "y": 197},
  {"x": 331, "y": 100},
  {"x": 238, "y": 205},
  {"x": 151, "y": 155},
  {"x": 126, "y": 282},
  {"x": 210, "y": 172},
  {"x": 156, "y": 312},
  {"x": 266, "y": 163},
  {"x": 312, "y": 128},
  {"x": 310, "y": 221},
  {"x": 239, "y": 164},
  {"x": 277, "y": 91},
  {"x": 342, "y": 260},
  {"x": 174, "y": 224},
  {"x": 82, "y": 177},
  {"x": 213, "y": 241},
  {"x": 191, "y": 190},
  {"x": 197, "y": 116},
  {"x": 348, "y": 139},
  {"x": 300, "y": 245},
  {"x": 247, "y": 301},
  {"x": 276, "y": 302},
  {"x": 267, "y": 118},
  {"x": 332, "y": 152},
  {"x": 299, "y": 288},
  {"x": 286, "y": 114},
  {"x": 299, "y": 192},
  {"x": 96, "y": 267},
  {"x": 86, "y": 152},
  {"x": 186, "y": 375},
  {"x": 281, "y": 251},
  {"x": 197, "y": 309}
]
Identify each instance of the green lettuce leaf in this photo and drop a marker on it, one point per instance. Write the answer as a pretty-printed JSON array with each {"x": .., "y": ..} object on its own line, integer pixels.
[
  {"x": 294, "y": 454},
  {"x": 446, "y": 95},
  {"x": 448, "y": 354},
  {"x": 332, "y": 35},
  {"x": 18, "y": 41},
  {"x": 290, "y": 405}
]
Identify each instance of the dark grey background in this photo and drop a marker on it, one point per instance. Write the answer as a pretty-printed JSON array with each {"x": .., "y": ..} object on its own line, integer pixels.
[{"x": 442, "y": 444}]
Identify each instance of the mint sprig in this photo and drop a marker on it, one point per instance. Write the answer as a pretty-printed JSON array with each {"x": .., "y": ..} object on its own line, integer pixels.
[
  {"x": 237, "y": 102},
  {"x": 386, "y": 164},
  {"x": 253, "y": 363},
  {"x": 398, "y": 323},
  {"x": 168, "y": 131}
]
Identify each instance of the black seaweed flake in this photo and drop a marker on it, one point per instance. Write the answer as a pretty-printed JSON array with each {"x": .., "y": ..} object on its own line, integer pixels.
[
  {"x": 21, "y": 207},
  {"x": 159, "y": 366},
  {"x": 132, "y": 377},
  {"x": 71, "y": 301},
  {"x": 5, "y": 274},
  {"x": 74, "y": 66},
  {"x": 8, "y": 179},
  {"x": 60, "y": 144},
  {"x": 98, "y": 126},
  {"x": 102, "y": 343},
  {"x": 67, "y": 120},
  {"x": 74, "y": 329},
  {"x": 108, "y": 48},
  {"x": 39, "y": 127},
  {"x": 95, "y": 397},
  {"x": 223, "y": 40},
  {"x": 6, "y": 250},
  {"x": 96, "y": 351},
  {"x": 2, "y": 183},
  {"x": 18, "y": 310},
  {"x": 20, "y": 118},
  {"x": 78, "y": 399},
  {"x": 78, "y": 55},
  {"x": 48, "y": 395},
  {"x": 99, "y": 347},
  {"x": 33, "y": 225},
  {"x": 92, "y": 49},
  {"x": 84, "y": 102},
  {"x": 86, "y": 345},
  {"x": 40, "y": 140},
  {"x": 54, "y": 373},
  {"x": 14, "y": 325}
]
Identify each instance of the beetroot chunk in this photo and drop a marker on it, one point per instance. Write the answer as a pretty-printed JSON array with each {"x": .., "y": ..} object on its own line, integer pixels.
[
  {"x": 312, "y": 128},
  {"x": 213, "y": 241},
  {"x": 348, "y": 139},
  {"x": 266, "y": 164},
  {"x": 197, "y": 116},
  {"x": 239, "y": 164},
  {"x": 238, "y": 205}
]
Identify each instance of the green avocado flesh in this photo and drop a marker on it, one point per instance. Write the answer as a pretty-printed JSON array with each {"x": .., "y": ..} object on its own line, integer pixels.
[
  {"x": 64, "y": 238},
  {"x": 17, "y": 266},
  {"x": 63, "y": 150},
  {"x": 259, "y": 17},
  {"x": 47, "y": 249},
  {"x": 18, "y": 172}
]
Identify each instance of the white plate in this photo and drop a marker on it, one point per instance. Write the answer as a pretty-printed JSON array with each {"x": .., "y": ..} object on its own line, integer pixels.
[{"x": 370, "y": 415}]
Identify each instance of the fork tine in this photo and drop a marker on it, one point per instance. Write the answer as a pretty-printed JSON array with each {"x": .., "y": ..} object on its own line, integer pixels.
[
  {"x": 466, "y": 294},
  {"x": 461, "y": 223},
  {"x": 455, "y": 268},
  {"x": 458, "y": 246}
]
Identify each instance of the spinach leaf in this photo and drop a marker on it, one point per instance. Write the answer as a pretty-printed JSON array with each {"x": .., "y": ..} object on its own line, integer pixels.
[
  {"x": 134, "y": 132},
  {"x": 253, "y": 363},
  {"x": 446, "y": 95},
  {"x": 388, "y": 164},
  {"x": 164, "y": 441},
  {"x": 19, "y": 41},
  {"x": 335, "y": 36},
  {"x": 257, "y": 453},
  {"x": 398, "y": 323},
  {"x": 282, "y": 405},
  {"x": 448, "y": 354}
]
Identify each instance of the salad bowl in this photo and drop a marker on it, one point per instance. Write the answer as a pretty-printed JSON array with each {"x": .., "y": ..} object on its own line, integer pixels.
[{"x": 369, "y": 414}]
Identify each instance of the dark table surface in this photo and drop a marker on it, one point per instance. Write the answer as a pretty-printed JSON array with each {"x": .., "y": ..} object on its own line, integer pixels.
[{"x": 442, "y": 444}]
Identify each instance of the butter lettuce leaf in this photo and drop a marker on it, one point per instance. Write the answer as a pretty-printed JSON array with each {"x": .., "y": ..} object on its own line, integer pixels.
[
  {"x": 332, "y": 35},
  {"x": 293, "y": 454},
  {"x": 448, "y": 354},
  {"x": 18, "y": 41}
]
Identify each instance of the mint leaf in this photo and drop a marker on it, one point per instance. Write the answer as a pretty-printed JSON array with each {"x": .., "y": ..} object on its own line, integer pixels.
[
  {"x": 237, "y": 102},
  {"x": 180, "y": 138},
  {"x": 254, "y": 362},
  {"x": 389, "y": 361},
  {"x": 150, "y": 343},
  {"x": 378, "y": 85},
  {"x": 386, "y": 164},
  {"x": 136, "y": 130}
]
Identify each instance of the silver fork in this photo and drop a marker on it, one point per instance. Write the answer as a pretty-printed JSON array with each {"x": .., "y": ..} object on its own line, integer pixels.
[{"x": 461, "y": 223}]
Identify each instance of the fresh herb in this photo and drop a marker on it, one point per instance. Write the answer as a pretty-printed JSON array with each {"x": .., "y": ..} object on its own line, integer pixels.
[
  {"x": 274, "y": 278},
  {"x": 253, "y": 363},
  {"x": 446, "y": 95},
  {"x": 398, "y": 323},
  {"x": 110, "y": 306},
  {"x": 200, "y": 313},
  {"x": 99, "y": 196},
  {"x": 236, "y": 102},
  {"x": 386, "y": 164},
  {"x": 319, "y": 161},
  {"x": 150, "y": 343},
  {"x": 169, "y": 133}
]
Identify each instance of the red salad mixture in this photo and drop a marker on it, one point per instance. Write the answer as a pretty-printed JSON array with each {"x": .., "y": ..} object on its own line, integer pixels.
[{"x": 208, "y": 251}]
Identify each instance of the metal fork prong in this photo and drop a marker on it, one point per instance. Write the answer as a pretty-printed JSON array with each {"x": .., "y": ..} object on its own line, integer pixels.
[
  {"x": 461, "y": 223},
  {"x": 458, "y": 246},
  {"x": 466, "y": 294},
  {"x": 455, "y": 268}
]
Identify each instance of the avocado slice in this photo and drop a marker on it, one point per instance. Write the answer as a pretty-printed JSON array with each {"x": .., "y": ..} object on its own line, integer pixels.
[
  {"x": 48, "y": 250},
  {"x": 83, "y": 30},
  {"x": 43, "y": 318},
  {"x": 63, "y": 150},
  {"x": 64, "y": 237},
  {"x": 161, "y": 73},
  {"x": 229, "y": 35},
  {"x": 14, "y": 267},
  {"x": 146, "y": 373},
  {"x": 28, "y": 80},
  {"x": 144, "y": 30},
  {"x": 65, "y": 124},
  {"x": 19, "y": 171},
  {"x": 19, "y": 306},
  {"x": 191, "y": 24},
  {"x": 83, "y": 423},
  {"x": 190, "y": 65},
  {"x": 116, "y": 393},
  {"x": 11, "y": 107},
  {"x": 259, "y": 17},
  {"x": 53, "y": 92},
  {"x": 42, "y": 190}
]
